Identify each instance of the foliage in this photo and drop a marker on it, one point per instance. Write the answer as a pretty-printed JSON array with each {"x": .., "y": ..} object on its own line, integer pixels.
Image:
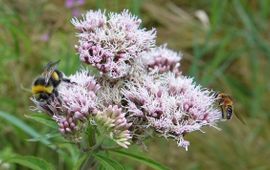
[{"x": 231, "y": 54}]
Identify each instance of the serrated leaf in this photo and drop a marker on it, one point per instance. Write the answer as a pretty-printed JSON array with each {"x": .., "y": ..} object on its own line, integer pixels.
[
  {"x": 149, "y": 162},
  {"x": 30, "y": 162},
  {"x": 43, "y": 119},
  {"x": 108, "y": 163}
]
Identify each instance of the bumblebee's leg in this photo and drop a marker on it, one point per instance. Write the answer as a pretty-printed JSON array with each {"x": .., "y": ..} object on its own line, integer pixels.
[
  {"x": 55, "y": 92},
  {"x": 66, "y": 80},
  {"x": 43, "y": 96}
]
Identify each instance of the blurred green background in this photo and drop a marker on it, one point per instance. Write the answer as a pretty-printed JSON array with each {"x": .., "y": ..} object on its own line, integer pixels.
[{"x": 225, "y": 46}]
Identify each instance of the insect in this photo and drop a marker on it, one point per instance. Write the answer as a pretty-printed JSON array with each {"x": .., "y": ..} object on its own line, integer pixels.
[
  {"x": 225, "y": 102},
  {"x": 45, "y": 85}
]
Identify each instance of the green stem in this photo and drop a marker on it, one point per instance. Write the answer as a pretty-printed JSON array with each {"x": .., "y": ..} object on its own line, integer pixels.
[
  {"x": 88, "y": 147},
  {"x": 89, "y": 162},
  {"x": 89, "y": 139}
]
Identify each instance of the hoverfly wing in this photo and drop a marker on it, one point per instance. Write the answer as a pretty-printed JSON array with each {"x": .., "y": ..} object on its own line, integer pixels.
[{"x": 239, "y": 117}]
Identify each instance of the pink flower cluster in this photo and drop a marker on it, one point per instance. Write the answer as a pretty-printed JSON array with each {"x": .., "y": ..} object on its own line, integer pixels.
[
  {"x": 171, "y": 105},
  {"x": 139, "y": 88},
  {"x": 75, "y": 102},
  {"x": 113, "y": 120},
  {"x": 112, "y": 43},
  {"x": 162, "y": 59}
]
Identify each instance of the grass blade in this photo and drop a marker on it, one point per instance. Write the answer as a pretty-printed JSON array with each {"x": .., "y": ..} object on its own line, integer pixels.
[
  {"x": 149, "y": 162},
  {"x": 30, "y": 162},
  {"x": 43, "y": 119},
  {"x": 24, "y": 127},
  {"x": 108, "y": 163}
]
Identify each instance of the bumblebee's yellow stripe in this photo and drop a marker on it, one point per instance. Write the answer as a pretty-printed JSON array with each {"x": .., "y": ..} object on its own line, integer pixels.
[
  {"x": 40, "y": 88},
  {"x": 55, "y": 76}
]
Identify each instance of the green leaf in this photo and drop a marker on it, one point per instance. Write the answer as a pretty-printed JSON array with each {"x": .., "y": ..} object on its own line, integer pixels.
[
  {"x": 108, "y": 163},
  {"x": 72, "y": 154},
  {"x": 44, "y": 136},
  {"x": 24, "y": 127},
  {"x": 43, "y": 119},
  {"x": 30, "y": 162},
  {"x": 149, "y": 162},
  {"x": 100, "y": 167},
  {"x": 79, "y": 162}
]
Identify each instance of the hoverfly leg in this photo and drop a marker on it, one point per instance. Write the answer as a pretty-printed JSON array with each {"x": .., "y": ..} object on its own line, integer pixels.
[{"x": 222, "y": 112}]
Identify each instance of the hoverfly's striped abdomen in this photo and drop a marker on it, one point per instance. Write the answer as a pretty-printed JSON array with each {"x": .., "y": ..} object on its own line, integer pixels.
[
  {"x": 226, "y": 105},
  {"x": 229, "y": 112}
]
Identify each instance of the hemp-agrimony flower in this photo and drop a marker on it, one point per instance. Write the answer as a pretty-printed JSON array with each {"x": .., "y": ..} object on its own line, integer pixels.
[
  {"x": 112, "y": 43},
  {"x": 162, "y": 60},
  {"x": 112, "y": 120},
  {"x": 74, "y": 103},
  {"x": 140, "y": 87},
  {"x": 173, "y": 106}
]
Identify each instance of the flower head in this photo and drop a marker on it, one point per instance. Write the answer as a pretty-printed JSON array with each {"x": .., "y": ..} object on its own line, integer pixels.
[
  {"x": 112, "y": 43},
  {"x": 72, "y": 103},
  {"x": 112, "y": 120},
  {"x": 140, "y": 87},
  {"x": 173, "y": 106},
  {"x": 162, "y": 59}
]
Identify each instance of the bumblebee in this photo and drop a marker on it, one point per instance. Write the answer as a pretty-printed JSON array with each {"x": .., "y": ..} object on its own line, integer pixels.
[
  {"x": 45, "y": 85},
  {"x": 225, "y": 102}
]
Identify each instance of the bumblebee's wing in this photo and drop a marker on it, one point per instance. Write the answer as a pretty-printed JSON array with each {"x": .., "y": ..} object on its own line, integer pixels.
[
  {"x": 240, "y": 118},
  {"x": 49, "y": 69},
  {"x": 52, "y": 64}
]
